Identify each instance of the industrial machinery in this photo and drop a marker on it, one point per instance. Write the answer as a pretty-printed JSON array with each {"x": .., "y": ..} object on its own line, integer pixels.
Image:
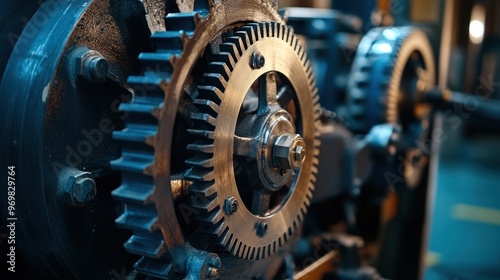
[{"x": 190, "y": 140}]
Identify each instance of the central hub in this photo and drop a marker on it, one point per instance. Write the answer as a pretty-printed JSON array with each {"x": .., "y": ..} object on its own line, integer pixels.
[{"x": 281, "y": 150}]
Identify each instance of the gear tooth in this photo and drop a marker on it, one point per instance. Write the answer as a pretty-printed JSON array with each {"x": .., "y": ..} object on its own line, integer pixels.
[
  {"x": 316, "y": 98},
  {"x": 219, "y": 67},
  {"x": 158, "y": 64},
  {"x": 252, "y": 31},
  {"x": 205, "y": 119},
  {"x": 216, "y": 80},
  {"x": 247, "y": 252},
  {"x": 133, "y": 162},
  {"x": 137, "y": 217},
  {"x": 202, "y": 203},
  {"x": 201, "y": 160},
  {"x": 227, "y": 58},
  {"x": 264, "y": 30},
  {"x": 135, "y": 135},
  {"x": 237, "y": 42},
  {"x": 234, "y": 245},
  {"x": 283, "y": 31},
  {"x": 231, "y": 49},
  {"x": 228, "y": 241},
  {"x": 202, "y": 145},
  {"x": 295, "y": 43},
  {"x": 168, "y": 41},
  {"x": 188, "y": 21},
  {"x": 140, "y": 113},
  {"x": 251, "y": 254},
  {"x": 204, "y": 189},
  {"x": 211, "y": 218},
  {"x": 223, "y": 238},
  {"x": 148, "y": 245},
  {"x": 244, "y": 38},
  {"x": 135, "y": 189},
  {"x": 307, "y": 66},
  {"x": 216, "y": 230},
  {"x": 154, "y": 268},
  {"x": 212, "y": 93},
  {"x": 300, "y": 51},
  {"x": 148, "y": 90},
  {"x": 264, "y": 252},
  {"x": 200, "y": 174},
  {"x": 243, "y": 251},
  {"x": 207, "y": 106},
  {"x": 201, "y": 133},
  {"x": 290, "y": 35},
  {"x": 237, "y": 248},
  {"x": 275, "y": 29}
]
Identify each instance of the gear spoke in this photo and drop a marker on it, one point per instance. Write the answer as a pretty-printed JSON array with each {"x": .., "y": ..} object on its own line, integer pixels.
[
  {"x": 267, "y": 92},
  {"x": 244, "y": 146},
  {"x": 261, "y": 199}
]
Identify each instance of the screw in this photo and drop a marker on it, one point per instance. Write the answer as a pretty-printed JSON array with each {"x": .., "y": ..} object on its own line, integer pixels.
[
  {"x": 257, "y": 61},
  {"x": 261, "y": 229},
  {"x": 90, "y": 64},
  {"x": 231, "y": 205},
  {"x": 212, "y": 272}
]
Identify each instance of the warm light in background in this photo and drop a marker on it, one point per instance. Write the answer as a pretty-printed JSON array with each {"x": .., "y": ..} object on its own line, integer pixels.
[{"x": 476, "y": 25}]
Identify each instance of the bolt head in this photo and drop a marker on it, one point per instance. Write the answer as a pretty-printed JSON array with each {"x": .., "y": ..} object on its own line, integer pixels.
[
  {"x": 84, "y": 190},
  {"x": 257, "y": 61},
  {"x": 90, "y": 64},
  {"x": 289, "y": 151},
  {"x": 97, "y": 67},
  {"x": 261, "y": 229},
  {"x": 78, "y": 187},
  {"x": 231, "y": 205}
]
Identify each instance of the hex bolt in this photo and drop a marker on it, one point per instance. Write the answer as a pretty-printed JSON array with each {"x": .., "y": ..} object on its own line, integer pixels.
[
  {"x": 257, "y": 60},
  {"x": 289, "y": 151},
  {"x": 231, "y": 205},
  {"x": 77, "y": 186},
  {"x": 212, "y": 272},
  {"x": 261, "y": 229},
  {"x": 96, "y": 67},
  {"x": 90, "y": 64}
]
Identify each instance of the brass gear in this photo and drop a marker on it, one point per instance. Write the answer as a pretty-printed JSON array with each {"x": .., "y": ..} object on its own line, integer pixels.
[
  {"x": 236, "y": 123},
  {"x": 146, "y": 163}
]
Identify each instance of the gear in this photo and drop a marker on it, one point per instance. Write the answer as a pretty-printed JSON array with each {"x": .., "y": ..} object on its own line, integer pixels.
[
  {"x": 257, "y": 103},
  {"x": 160, "y": 112},
  {"x": 383, "y": 83},
  {"x": 391, "y": 66}
]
